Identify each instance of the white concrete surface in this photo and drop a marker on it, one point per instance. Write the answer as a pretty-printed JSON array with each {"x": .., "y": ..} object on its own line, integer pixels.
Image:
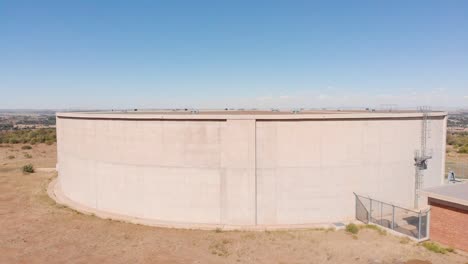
[
  {"x": 453, "y": 192},
  {"x": 243, "y": 169}
]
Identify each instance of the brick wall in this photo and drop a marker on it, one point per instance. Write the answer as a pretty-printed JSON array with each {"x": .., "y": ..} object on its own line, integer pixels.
[{"x": 449, "y": 224}]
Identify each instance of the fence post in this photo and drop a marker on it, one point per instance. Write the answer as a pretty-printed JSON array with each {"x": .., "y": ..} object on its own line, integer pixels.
[
  {"x": 381, "y": 209},
  {"x": 428, "y": 223},
  {"x": 355, "y": 206},
  {"x": 419, "y": 225},
  {"x": 370, "y": 211},
  {"x": 393, "y": 217}
]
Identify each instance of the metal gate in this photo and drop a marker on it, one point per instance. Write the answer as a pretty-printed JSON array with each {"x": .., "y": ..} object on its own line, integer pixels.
[{"x": 405, "y": 221}]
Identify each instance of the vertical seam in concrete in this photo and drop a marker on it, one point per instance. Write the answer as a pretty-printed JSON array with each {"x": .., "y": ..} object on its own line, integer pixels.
[
  {"x": 255, "y": 169},
  {"x": 95, "y": 179},
  {"x": 221, "y": 174}
]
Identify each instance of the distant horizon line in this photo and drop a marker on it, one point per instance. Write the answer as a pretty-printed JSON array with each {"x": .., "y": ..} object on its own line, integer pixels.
[{"x": 383, "y": 107}]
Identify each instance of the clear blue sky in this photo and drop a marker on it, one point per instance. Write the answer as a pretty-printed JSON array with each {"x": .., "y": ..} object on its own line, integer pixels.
[{"x": 118, "y": 54}]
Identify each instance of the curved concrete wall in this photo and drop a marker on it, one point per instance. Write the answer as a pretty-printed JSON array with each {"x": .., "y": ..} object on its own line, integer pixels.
[{"x": 242, "y": 170}]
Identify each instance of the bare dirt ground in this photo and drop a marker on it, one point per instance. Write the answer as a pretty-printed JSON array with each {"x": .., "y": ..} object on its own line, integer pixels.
[
  {"x": 457, "y": 162},
  {"x": 34, "y": 229}
]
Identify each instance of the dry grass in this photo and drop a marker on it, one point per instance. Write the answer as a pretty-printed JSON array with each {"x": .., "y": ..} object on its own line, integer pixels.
[
  {"x": 220, "y": 248},
  {"x": 405, "y": 240},
  {"x": 378, "y": 229}
]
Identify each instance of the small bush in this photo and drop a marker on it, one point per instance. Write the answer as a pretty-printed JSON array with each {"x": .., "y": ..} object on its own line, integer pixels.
[
  {"x": 463, "y": 150},
  {"x": 220, "y": 248},
  {"x": 352, "y": 228},
  {"x": 450, "y": 249},
  {"x": 26, "y": 147},
  {"x": 27, "y": 155},
  {"x": 28, "y": 168},
  {"x": 405, "y": 240},
  {"x": 11, "y": 157},
  {"x": 434, "y": 247}
]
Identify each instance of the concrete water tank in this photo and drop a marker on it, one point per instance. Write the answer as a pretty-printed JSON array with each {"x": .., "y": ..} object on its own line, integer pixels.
[{"x": 242, "y": 168}]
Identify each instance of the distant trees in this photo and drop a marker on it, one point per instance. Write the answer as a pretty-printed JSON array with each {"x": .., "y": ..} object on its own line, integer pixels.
[
  {"x": 463, "y": 150},
  {"x": 30, "y": 136},
  {"x": 459, "y": 141},
  {"x": 7, "y": 126}
]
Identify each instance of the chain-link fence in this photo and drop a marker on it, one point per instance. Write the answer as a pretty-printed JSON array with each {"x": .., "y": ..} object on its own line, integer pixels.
[
  {"x": 459, "y": 168},
  {"x": 409, "y": 222}
]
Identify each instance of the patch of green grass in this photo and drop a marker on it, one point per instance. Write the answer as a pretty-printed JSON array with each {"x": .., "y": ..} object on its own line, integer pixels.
[
  {"x": 352, "y": 228},
  {"x": 434, "y": 247},
  {"x": 381, "y": 231},
  {"x": 27, "y": 155}
]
